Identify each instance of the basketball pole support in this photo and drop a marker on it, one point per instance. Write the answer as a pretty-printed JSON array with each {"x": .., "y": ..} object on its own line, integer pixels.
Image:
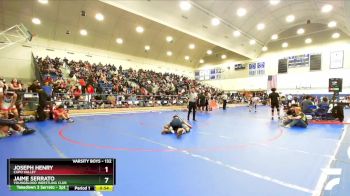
[{"x": 15, "y": 34}]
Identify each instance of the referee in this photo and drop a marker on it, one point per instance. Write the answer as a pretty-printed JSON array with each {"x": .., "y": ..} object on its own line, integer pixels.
[{"x": 192, "y": 100}]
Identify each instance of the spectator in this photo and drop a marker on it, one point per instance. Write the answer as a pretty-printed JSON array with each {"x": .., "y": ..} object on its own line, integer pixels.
[
  {"x": 15, "y": 86},
  {"x": 33, "y": 88},
  {"x": 324, "y": 103},
  {"x": 77, "y": 93},
  {"x": 60, "y": 114},
  {"x": 7, "y": 103},
  {"x": 47, "y": 89},
  {"x": 306, "y": 103},
  {"x": 7, "y": 124},
  {"x": 298, "y": 120},
  {"x": 111, "y": 99}
]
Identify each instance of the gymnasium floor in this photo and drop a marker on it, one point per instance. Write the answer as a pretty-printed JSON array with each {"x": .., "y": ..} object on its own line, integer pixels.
[{"x": 230, "y": 152}]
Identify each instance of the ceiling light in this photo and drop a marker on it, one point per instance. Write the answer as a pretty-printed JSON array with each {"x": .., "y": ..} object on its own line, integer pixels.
[
  {"x": 327, "y": 8},
  {"x": 332, "y": 24},
  {"x": 36, "y": 21},
  {"x": 209, "y": 52},
  {"x": 335, "y": 35},
  {"x": 83, "y": 32},
  {"x": 300, "y": 31},
  {"x": 169, "y": 53},
  {"x": 264, "y": 48},
  {"x": 308, "y": 41},
  {"x": 290, "y": 18},
  {"x": 191, "y": 46},
  {"x": 119, "y": 41},
  {"x": 260, "y": 26},
  {"x": 274, "y": 37},
  {"x": 169, "y": 39},
  {"x": 284, "y": 45},
  {"x": 252, "y": 42},
  {"x": 223, "y": 56},
  {"x": 187, "y": 58},
  {"x": 215, "y": 21},
  {"x": 43, "y": 1},
  {"x": 99, "y": 17},
  {"x": 201, "y": 61},
  {"x": 236, "y": 33},
  {"x": 274, "y": 2},
  {"x": 147, "y": 47},
  {"x": 185, "y": 5},
  {"x": 139, "y": 29},
  {"x": 241, "y": 12}
]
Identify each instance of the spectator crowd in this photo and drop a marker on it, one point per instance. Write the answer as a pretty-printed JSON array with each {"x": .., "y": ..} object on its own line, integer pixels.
[{"x": 98, "y": 84}]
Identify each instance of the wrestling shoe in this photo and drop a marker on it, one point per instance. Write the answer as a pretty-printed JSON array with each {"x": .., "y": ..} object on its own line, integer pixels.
[{"x": 70, "y": 120}]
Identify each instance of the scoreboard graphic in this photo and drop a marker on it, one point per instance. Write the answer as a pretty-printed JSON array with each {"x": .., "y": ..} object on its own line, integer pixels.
[
  {"x": 335, "y": 85},
  {"x": 80, "y": 174}
]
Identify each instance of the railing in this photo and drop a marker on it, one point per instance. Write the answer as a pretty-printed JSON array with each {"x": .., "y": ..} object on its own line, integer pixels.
[
  {"x": 30, "y": 101},
  {"x": 88, "y": 101}
]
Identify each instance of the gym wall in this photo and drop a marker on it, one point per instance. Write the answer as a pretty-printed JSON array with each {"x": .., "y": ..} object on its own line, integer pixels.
[
  {"x": 15, "y": 61},
  {"x": 296, "y": 79}
]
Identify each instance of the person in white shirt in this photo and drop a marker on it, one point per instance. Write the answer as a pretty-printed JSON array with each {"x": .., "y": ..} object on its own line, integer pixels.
[{"x": 253, "y": 103}]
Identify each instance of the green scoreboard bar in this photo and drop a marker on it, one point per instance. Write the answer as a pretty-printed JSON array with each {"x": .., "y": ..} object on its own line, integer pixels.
[{"x": 80, "y": 174}]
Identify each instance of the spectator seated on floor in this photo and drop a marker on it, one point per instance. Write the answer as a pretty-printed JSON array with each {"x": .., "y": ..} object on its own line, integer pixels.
[
  {"x": 177, "y": 126},
  {"x": 7, "y": 126},
  {"x": 289, "y": 111},
  {"x": 298, "y": 119},
  {"x": 60, "y": 114}
]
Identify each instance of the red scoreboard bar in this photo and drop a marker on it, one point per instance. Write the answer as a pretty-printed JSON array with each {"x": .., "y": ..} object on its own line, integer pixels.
[{"x": 77, "y": 174}]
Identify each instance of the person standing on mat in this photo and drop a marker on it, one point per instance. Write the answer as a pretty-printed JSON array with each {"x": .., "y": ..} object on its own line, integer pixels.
[
  {"x": 274, "y": 102},
  {"x": 224, "y": 101},
  {"x": 254, "y": 102},
  {"x": 192, "y": 100}
]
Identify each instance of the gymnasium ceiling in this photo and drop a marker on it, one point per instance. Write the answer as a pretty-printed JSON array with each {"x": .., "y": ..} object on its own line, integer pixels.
[
  {"x": 197, "y": 21},
  {"x": 160, "y": 18},
  {"x": 58, "y": 16}
]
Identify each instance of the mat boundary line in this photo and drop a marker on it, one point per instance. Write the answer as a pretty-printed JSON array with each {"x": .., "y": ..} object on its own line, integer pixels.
[{"x": 323, "y": 177}]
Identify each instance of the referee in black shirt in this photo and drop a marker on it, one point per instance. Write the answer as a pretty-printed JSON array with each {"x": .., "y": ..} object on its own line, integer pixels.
[
  {"x": 274, "y": 102},
  {"x": 192, "y": 100}
]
